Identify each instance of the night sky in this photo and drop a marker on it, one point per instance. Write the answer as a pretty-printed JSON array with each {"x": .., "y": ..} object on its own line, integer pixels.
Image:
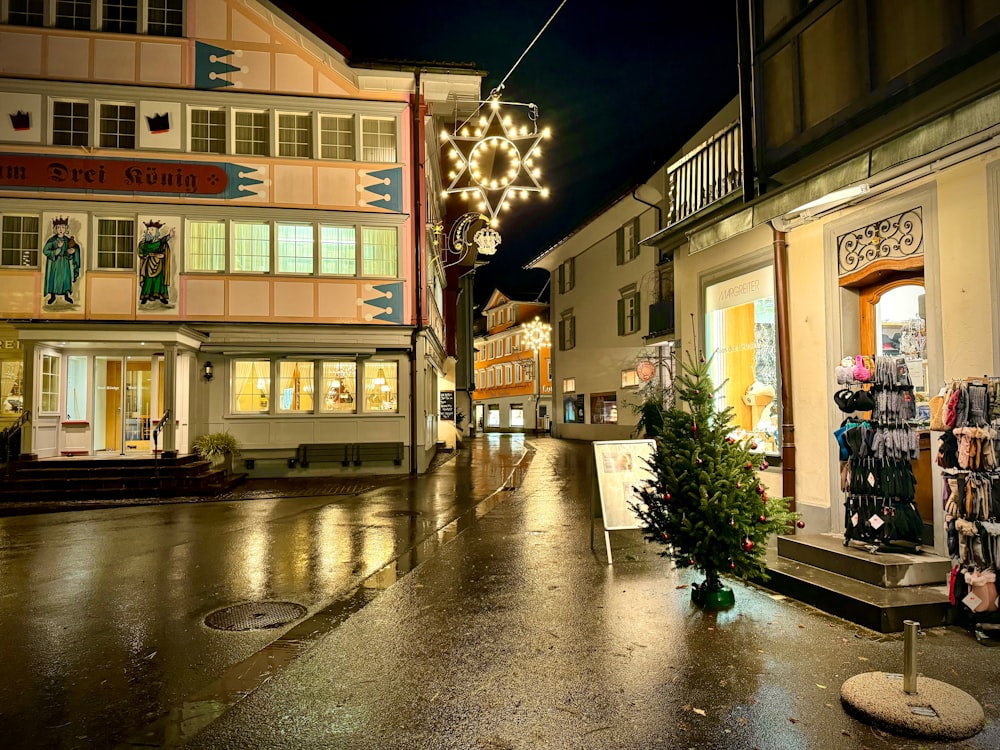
[{"x": 621, "y": 84}]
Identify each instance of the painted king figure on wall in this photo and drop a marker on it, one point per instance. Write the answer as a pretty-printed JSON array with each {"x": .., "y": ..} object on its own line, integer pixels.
[
  {"x": 154, "y": 264},
  {"x": 62, "y": 262}
]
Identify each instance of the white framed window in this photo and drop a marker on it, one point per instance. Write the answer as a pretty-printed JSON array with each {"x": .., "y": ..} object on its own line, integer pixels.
[
  {"x": 49, "y": 403},
  {"x": 26, "y": 13},
  {"x": 517, "y": 415},
  {"x": 339, "y": 386},
  {"x": 165, "y": 17},
  {"x": 208, "y": 130},
  {"x": 338, "y": 250},
  {"x": 205, "y": 246},
  {"x": 630, "y": 378},
  {"x": 71, "y": 14},
  {"x": 336, "y": 137},
  {"x": 19, "y": 241},
  {"x": 489, "y": 378},
  {"x": 508, "y": 375},
  {"x": 120, "y": 16},
  {"x": 295, "y": 135},
  {"x": 252, "y": 133},
  {"x": 628, "y": 313},
  {"x": 251, "y": 247},
  {"x": 508, "y": 344},
  {"x": 251, "y": 386},
  {"x": 296, "y": 386},
  {"x": 380, "y": 252},
  {"x": 381, "y": 384},
  {"x": 493, "y": 416},
  {"x": 568, "y": 385},
  {"x": 295, "y": 248},
  {"x": 70, "y": 123},
  {"x": 116, "y": 125},
  {"x": 116, "y": 241},
  {"x": 378, "y": 139},
  {"x": 518, "y": 372}
]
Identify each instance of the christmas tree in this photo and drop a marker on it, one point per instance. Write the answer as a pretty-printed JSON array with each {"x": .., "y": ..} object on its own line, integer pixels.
[{"x": 706, "y": 504}]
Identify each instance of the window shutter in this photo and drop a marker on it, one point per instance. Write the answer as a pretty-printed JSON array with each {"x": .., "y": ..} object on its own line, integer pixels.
[
  {"x": 562, "y": 278},
  {"x": 620, "y": 242},
  {"x": 638, "y": 312},
  {"x": 572, "y": 272},
  {"x": 562, "y": 335},
  {"x": 635, "y": 237},
  {"x": 621, "y": 317}
]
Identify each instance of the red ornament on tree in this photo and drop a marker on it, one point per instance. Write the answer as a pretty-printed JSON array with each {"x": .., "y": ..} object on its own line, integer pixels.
[
  {"x": 747, "y": 544},
  {"x": 666, "y": 496},
  {"x": 764, "y": 465},
  {"x": 753, "y": 446},
  {"x": 732, "y": 522},
  {"x": 732, "y": 565},
  {"x": 801, "y": 524},
  {"x": 762, "y": 519},
  {"x": 749, "y": 465},
  {"x": 730, "y": 440},
  {"x": 739, "y": 485}
]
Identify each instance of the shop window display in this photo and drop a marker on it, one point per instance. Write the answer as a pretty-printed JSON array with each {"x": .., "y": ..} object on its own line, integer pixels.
[
  {"x": 11, "y": 387},
  {"x": 740, "y": 337}
]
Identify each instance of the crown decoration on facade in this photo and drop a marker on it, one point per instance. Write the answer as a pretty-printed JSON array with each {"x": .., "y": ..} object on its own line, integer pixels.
[
  {"x": 64, "y": 221},
  {"x": 159, "y": 123},
  {"x": 152, "y": 224},
  {"x": 20, "y": 120}
]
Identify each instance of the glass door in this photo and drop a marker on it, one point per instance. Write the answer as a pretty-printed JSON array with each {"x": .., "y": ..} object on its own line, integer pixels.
[{"x": 124, "y": 401}]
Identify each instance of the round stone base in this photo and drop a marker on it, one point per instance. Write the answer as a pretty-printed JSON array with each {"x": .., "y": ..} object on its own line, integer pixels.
[{"x": 936, "y": 711}]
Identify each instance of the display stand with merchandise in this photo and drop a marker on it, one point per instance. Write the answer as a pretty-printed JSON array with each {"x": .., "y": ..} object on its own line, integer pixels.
[
  {"x": 876, "y": 452},
  {"x": 968, "y": 412}
]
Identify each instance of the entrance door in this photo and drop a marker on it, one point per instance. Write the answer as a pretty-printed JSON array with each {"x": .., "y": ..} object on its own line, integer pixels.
[{"x": 127, "y": 392}]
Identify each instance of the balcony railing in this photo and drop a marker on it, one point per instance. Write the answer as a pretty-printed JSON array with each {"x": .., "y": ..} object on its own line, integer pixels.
[
  {"x": 709, "y": 173},
  {"x": 661, "y": 317}
]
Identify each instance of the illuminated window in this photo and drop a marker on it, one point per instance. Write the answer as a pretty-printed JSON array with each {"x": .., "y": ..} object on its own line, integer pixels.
[
  {"x": 740, "y": 335},
  {"x": 338, "y": 251},
  {"x": 208, "y": 131},
  {"x": 381, "y": 386},
  {"x": 76, "y": 388},
  {"x": 380, "y": 252},
  {"x": 251, "y": 386},
  {"x": 11, "y": 386},
  {"x": 378, "y": 139},
  {"x": 630, "y": 378},
  {"x": 295, "y": 248},
  {"x": 517, "y": 415},
  {"x": 569, "y": 385},
  {"x": 252, "y": 135},
  {"x": 205, "y": 248},
  {"x": 336, "y": 136},
  {"x": 295, "y": 135},
  {"x": 251, "y": 247},
  {"x": 339, "y": 386},
  {"x": 493, "y": 416},
  {"x": 603, "y": 408},
  {"x": 296, "y": 384}
]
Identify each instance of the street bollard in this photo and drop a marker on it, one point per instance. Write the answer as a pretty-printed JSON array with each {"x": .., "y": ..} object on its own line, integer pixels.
[{"x": 910, "y": 628}]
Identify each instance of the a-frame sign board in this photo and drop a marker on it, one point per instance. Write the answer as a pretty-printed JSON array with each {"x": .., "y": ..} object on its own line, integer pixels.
[{"x": 620, "y": 466}]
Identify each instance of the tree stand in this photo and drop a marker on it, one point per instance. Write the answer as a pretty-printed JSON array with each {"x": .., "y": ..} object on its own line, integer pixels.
[{"x": 711, "y": 594}]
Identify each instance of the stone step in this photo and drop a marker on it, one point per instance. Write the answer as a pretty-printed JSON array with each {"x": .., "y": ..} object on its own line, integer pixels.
[
  {"x": 888, "y": 569},
  {"x": 879, "y": 608}
]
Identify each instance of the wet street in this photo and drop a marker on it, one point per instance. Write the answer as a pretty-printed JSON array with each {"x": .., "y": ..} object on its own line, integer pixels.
[{"x": 464, "y": 609}]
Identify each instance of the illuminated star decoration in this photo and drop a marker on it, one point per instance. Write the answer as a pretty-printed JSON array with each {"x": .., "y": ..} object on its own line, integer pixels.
[{"x": 494, "y": 161}]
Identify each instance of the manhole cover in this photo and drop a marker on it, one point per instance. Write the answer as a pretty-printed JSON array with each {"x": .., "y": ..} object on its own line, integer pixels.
[
  {"x": 254, "y": 615},
  {"x": 398, "y": 514}
]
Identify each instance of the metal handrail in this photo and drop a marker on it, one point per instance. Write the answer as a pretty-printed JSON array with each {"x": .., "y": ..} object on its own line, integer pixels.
[{"x": 7, "y": 435}]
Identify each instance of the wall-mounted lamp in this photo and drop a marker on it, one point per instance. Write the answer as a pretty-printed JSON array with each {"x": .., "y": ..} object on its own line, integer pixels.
[{"x": 207, "y": 371}]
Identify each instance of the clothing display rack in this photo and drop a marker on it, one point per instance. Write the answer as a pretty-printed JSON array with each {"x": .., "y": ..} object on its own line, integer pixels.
[
  {"x": 968, "y": 412},
  {"x": 876, "y": 474}
]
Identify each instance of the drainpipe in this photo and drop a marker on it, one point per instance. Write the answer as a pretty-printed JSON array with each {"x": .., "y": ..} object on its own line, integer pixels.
[
  {"x": 784, "y": 361},
  {"x": 418, "y": 283}
]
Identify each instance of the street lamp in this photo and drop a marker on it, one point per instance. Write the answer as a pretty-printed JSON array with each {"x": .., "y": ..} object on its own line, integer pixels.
[{"x": 537, "y": 336}]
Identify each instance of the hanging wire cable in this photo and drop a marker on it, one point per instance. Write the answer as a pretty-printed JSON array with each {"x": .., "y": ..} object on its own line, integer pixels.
[
  {"x": 533, "y": 109},
  {"x": 499, "y": 88}
]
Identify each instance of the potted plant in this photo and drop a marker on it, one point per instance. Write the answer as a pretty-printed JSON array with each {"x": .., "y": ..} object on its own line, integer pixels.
[{"x": 219, "y": 448}]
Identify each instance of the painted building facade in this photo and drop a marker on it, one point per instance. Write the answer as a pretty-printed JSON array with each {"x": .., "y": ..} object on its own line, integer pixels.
[
  {"x": 211, "y": 221},
  {"x": 513, "y": 380},
  {"x": 603, "y": 282}
]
